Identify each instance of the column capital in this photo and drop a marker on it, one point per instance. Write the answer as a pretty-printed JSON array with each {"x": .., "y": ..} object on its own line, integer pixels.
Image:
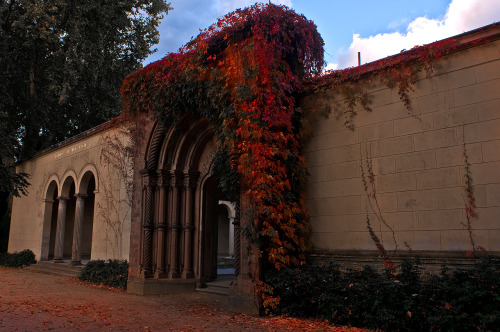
[
  {"x": 163, "y": 178},
  {"x": 148, "y": 178},
  {"x": 190, "y": 178},
  {"x": 62, "y": 198},
  {"x": 176, "y": 179},
  {"x": 81, "y": 196}
]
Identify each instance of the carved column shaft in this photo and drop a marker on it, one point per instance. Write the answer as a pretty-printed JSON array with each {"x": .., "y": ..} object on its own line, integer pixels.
[
  {"x": 147, "y": 267},
  {"x": 174, "y": 227},
  {"x": 61, "y": 225},
  {"x": 189, "y": 184},
  {"x": 76, "y": 252},
  {"x": 162, "y": 224}
]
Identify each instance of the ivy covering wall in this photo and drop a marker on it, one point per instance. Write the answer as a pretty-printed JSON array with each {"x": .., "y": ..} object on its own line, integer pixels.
[{"x": 243, "y": 74}]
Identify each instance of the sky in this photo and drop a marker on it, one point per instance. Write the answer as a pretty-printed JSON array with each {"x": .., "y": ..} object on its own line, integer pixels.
[{"x": 376, "y": 28}]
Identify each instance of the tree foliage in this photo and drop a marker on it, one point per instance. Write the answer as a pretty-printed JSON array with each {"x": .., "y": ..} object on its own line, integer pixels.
[{"x": 62, "y": 64}]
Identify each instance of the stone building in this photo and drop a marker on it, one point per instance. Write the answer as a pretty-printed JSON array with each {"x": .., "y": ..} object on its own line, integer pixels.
[
  {"x": 418, "y": 157},
  {"x": 177, "y": 224},
  {"x": 79, "y": 202}
]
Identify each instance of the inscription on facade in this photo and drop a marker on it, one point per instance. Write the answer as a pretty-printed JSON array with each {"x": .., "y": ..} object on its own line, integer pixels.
[{"x": 69, "y": 150}]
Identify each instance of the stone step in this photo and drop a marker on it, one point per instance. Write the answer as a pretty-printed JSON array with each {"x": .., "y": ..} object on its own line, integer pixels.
[
  {"x": 219, "y": 286},
  {"x": 49, "y": 267},
  {"x": 214, "y": 290}
]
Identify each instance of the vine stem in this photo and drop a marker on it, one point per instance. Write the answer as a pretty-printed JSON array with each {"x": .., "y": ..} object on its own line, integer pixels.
[{"x": 373, "y": 194}]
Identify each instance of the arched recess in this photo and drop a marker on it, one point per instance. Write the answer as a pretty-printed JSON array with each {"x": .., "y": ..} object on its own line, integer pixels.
[
  {"x": 84, "y": 215},
  {"x": 84, "y": 178},
  {"x": 65, "y": 217},
  {"x": 51, "y": 204},
  {"x": 180, "y": 199}
]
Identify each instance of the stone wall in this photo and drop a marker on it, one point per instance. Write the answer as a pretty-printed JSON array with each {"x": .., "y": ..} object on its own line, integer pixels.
[
  {"x": 418, "y": 162},
  {"x": 100, "y": 153}
]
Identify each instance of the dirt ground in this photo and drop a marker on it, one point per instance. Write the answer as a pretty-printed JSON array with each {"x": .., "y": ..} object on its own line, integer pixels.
[{"x": 31, "y": 301}]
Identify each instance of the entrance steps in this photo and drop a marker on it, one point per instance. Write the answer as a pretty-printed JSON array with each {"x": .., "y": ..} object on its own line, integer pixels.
[
  {"x": 219, "y": 286},
  {"x": 49, "y": 267}
]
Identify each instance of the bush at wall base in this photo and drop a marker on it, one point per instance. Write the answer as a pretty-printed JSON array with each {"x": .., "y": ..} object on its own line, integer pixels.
[
  {"x": 17, "y": 259},
  {"x": 402, "y": 300},
  {"x": 112, "y": 273}
]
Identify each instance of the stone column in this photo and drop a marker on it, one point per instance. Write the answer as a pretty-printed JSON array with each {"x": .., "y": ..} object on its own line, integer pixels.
[
  {"x": 189, "y": 185},
  {"x": 147, "y": 227},
  {"x": 174, "y": 226},
  {"x": 76, "y": 252},
  {"x": 61, "y": 224},
  {"x": 163, "y": 182}
]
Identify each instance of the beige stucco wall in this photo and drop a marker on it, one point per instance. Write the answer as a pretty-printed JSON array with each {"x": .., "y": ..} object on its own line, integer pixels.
[
  {"x": 418, "y": 161},
  {"x": 100, "y": 151}
]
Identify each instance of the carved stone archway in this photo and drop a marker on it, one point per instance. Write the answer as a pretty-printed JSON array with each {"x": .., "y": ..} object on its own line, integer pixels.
[{"x": 178, "y": 191}]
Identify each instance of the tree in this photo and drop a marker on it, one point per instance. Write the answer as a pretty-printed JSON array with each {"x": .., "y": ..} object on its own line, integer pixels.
[{"x": 62, "y": 63}]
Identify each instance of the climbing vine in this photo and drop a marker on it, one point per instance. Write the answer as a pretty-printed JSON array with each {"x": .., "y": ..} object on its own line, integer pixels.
[
  {"x": 115, "y": 161},
  {"x": 399, "y": 71},
  {"x": 369, "y": 187},
  {"x": 242, "y": 74}
]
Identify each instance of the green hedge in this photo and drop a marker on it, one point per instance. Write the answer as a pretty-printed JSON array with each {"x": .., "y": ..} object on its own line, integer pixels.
[
  {"x": 112, "y": 273},
  {"x": 465, "y": 300},
  {"x": 17, "y": 259}
]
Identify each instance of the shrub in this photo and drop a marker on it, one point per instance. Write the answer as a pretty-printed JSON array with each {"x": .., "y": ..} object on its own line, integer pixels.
[
  {"x": 464, "y": 300},
  {"x": 112, "y": 273},
  {"x": 17, "y": 259}
]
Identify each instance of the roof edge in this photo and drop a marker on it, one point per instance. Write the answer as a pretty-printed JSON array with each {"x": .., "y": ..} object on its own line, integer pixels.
[
  {"x": 114, "y": 122},
  {"x": 450, "y": 45}
]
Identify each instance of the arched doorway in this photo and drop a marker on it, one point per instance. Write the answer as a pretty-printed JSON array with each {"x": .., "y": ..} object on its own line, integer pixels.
[
  {"x": 226, "y": 216},
  {"x": 212, "y": 243}
]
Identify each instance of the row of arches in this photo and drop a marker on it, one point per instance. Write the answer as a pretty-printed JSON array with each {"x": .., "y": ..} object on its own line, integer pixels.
[{"x": 69, "y": 216}]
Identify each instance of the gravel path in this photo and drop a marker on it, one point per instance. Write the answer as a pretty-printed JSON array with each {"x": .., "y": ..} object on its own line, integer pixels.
[{"x": 32, "y": 301}]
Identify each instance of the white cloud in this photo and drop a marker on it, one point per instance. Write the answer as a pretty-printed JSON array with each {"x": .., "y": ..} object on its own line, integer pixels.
[
  {"x": 331, "y": 66},
  {"x": 461, "y": 16},
  {"x": 226, "y": 6}
]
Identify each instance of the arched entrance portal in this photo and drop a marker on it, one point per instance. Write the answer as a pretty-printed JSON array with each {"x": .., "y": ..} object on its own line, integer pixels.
[{"x": 180, "y": 220}]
